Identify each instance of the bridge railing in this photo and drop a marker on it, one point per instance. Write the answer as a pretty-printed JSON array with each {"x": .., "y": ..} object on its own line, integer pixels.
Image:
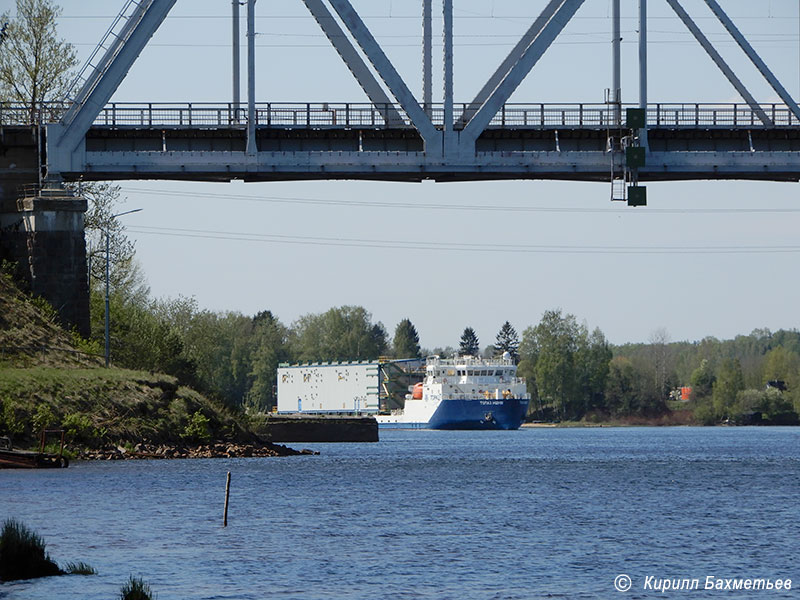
[
  {"x": 307, "y": 115},
  {"x": 360, "y": 115},
  {"x": 20, "y": 114}
]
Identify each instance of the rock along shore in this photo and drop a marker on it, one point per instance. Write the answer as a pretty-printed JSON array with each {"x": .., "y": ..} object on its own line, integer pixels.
[{"x": 211, "y": 450}]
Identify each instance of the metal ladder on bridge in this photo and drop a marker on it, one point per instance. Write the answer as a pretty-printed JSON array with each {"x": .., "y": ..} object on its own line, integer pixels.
[
  {"x": 622, "y": 176},
  {"x": 627, "y": 156},
  {"x": 103, "y": 55}
]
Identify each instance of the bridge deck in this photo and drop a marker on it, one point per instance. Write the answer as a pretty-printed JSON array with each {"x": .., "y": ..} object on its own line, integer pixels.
[{"x": 357, "y": 141}]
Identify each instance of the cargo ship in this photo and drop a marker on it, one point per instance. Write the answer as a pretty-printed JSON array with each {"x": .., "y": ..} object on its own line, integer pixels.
[{"x": 465, "y": 392}]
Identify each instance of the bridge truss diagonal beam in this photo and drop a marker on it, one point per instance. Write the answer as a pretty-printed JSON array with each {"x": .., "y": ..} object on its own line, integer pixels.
[
  {"x": 513, "y": 57},
  {"x": 520, "y": 70},
  {"x": 117, "y": 42},
  {"x": 117, "y": 67},
  {"x": 753, "y": 56},
  {"x": 719, "y": 61},
  {"x": 354, "y": 62},
  {"x": 386, "y": 70}
]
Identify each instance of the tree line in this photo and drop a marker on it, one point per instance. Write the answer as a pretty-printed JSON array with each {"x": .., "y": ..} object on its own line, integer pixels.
[
  {"x": 573, "y": 373},
  {"x": 234, "y": 357}
]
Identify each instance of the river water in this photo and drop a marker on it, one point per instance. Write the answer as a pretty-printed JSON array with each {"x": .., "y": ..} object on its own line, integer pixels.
[{"x": 537, "y": 513}]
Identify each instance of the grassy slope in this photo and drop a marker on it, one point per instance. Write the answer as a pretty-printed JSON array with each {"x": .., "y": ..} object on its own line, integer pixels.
[{"x": 43, "y": 373}]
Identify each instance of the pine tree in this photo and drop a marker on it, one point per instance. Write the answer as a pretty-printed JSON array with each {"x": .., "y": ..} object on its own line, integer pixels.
[
  {"x": 507, "y": 340},
  {"x": 406, "y": 340},
  {"x": 469, "y": 343}
]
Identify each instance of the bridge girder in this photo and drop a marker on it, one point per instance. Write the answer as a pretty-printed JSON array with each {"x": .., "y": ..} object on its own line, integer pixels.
[{"x": 417, "y": 166}]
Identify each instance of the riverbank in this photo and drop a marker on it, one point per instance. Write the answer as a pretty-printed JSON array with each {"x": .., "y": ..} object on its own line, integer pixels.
[
  {"x": 171, "y": 451},
  {"x": 674, "y": 418}
]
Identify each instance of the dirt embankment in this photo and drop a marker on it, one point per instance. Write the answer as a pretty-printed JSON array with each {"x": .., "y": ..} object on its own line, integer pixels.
[{"x": 49, "y": 378}]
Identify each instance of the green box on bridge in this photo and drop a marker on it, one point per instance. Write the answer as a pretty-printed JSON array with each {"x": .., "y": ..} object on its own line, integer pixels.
[
  {"x": 637, "y": 195},
  {"x": 635, "y": 118},
  {"x": 635, "y": 157}
]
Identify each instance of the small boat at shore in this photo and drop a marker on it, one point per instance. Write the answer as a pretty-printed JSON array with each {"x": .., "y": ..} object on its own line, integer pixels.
[
  {"x": 11, "y": 458},
  {"x": 465, "y": 392}
]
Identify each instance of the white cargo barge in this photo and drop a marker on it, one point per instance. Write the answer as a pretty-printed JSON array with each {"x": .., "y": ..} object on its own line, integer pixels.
[{"x": 329, "y": 388}]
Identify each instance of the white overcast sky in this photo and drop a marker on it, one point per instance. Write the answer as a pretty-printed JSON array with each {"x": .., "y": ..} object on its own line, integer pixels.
[{"x": 665, "y": 277}]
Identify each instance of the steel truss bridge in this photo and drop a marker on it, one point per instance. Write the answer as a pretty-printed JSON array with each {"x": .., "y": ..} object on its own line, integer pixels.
[{"x": 398, "y": 137}]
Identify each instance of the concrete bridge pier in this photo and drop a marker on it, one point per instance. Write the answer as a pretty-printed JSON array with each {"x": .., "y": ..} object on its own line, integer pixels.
[{"x": 42, "y": 230}]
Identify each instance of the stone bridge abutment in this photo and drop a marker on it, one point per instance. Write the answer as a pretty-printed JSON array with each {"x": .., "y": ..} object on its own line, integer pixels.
[{"x": 42, "y": 230}]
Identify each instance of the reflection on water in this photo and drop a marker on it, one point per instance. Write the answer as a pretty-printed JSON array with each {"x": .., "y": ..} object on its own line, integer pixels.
[{"x": 553, "y": 513}]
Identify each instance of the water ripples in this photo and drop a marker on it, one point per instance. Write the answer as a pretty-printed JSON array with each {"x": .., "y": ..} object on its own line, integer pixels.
[{"x": 427, "y": 516}]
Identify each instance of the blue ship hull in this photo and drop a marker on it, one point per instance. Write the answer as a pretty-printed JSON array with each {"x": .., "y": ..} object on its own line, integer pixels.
[{"x": 492, "y": 414}]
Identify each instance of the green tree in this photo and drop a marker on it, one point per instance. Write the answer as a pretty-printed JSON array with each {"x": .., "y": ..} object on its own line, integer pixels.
[
  {"x": 551, "y": 348},
  {"x": 342, "y": 334},
  {"x": 772, "y": 405},
  {"x": 103, "y": 201},
  {"x": 507, "y": 340},
  {"x": 594, "y": 355},
  {"x": 469, "y": 345},
  {"x": 621, "y": 393},
  {"x": 141, "y": 338},
  {"x": 782, "y": 364},
  {"x": 268, "y": 349},
  {"x": 406, "y": 340},
  {"x": 729, "y": 382},
  {"x": 567, "y": 368},
  {"x": 702, "y": 380},
  {"x": 660, "y": 360},
  {"x": 35, "y": 63},
  {"x": 219, "y": 343},
  {"x": 629, "y": 389}
]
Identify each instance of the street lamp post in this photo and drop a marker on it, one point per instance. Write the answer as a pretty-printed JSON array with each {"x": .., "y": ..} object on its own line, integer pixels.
[{"x": 108, "y": 237}]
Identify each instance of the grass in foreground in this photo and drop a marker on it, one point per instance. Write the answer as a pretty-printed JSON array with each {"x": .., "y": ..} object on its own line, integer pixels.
[
  {"x": 136, "y": 589},
  {"x": 23, "y": 554},
  {"x": 79, "y": 568}
]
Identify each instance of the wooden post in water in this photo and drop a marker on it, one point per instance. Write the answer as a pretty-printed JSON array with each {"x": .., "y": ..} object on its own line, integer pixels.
[{"x": 227, "y": 493}]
